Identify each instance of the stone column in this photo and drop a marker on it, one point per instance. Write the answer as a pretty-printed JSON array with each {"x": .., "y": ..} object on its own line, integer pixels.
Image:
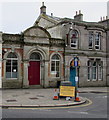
[
  {"x": 25, "y": 74},
  {"x": 42, "y": 70},
  {"x": 46, "y": 83}
]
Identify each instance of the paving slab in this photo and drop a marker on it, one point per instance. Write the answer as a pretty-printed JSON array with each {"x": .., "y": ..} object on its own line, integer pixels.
[
  {"x": 41, "y": 97},
  {"x": 34, "y": 97}
]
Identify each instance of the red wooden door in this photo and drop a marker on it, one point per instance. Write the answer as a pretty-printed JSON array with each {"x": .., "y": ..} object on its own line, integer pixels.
[{"x": 34, "y": 73}]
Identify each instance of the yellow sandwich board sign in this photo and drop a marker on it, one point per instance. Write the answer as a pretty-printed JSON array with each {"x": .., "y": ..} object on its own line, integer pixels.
[{"x": 68, "y": 91}]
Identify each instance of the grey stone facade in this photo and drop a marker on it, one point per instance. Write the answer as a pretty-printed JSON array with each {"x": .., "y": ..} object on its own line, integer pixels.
[
  {"x": 56, "y": 41},
  {"x": 60, "y": 27}
]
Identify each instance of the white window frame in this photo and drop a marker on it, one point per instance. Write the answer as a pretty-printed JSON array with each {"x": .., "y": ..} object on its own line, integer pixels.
[
  {"x": 55, "y": 71},
  {"x": 11, "y": 59},
  {"x": 97, "y": 38},
  {"x": 71, "y": 39},
  {"x": 94, "y": 73}
]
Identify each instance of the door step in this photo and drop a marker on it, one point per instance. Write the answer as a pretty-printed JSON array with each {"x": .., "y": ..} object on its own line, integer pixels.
[{"x": 35, "y": 86}]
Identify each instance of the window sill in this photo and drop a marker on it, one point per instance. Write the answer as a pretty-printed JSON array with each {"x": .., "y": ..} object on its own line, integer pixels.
[
  {"x": 88, "y": 80},
  {"x": 73, "y": 48},
  {"x": 94, "y": 80},
  {"x": 11, "y": 78},
  {"x": 100, "y": 80}
]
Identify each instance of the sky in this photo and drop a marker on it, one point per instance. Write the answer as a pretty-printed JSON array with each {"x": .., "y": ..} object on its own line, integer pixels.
[{"x": 18, "y": 15}]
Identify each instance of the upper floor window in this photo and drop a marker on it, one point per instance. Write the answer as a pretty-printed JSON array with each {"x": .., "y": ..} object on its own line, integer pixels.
[
  {"x": 55, "y": 65},
  {"x": 74, "y": 39},
  {"x": 97, "y": 40},
  {"x": 94, "y": 40},
  {"x": 91, "y": 39},
  {"x": 11, "y": 66}
]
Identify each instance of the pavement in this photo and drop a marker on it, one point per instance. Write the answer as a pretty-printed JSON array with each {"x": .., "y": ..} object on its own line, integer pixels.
[{"x": 41, "y": 97}]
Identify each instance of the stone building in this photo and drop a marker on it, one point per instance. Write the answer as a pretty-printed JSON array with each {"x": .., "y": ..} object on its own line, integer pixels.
[{"x": 43, "y": 55}]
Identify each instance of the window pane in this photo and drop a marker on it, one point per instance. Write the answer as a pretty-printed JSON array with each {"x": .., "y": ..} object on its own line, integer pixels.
[
  {"x": 14, "y": 66},
  {"x": 8, "y": 66},
  {"x": 91, "y": 37},
  {"x": 11, "y": 55},
  {"x": 8, "y": 69},
  {"x": 97, "y": 40},
  {"x": 74, "y": 38},
  {"x": 96, "y": 47},
  {"x": 14, "y": 74},
  {"x": 73, "y": 45},
  {"x": 55, "y": 57},
  {"x": 99, "y": 72},
  {"x": 8, "y": 74},
  {"x": 35, "y": 56},
  {"x": 11, "y": 66},
  {"x": 94, "y": 73},
  {"x": 53, "y": 66},
  {"x": 89, "y": 73},
  {"x": 89, "y": 70}
]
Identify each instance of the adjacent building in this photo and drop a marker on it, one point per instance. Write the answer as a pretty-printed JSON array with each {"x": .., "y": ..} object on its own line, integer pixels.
[{"x": 43, "y": 55}]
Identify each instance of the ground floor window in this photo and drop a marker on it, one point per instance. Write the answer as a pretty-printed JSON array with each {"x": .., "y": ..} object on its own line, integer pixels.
[
  {"x": 55, "y": 65},
  {"x": 11, "y": 66},
  {"x": 94, "y": 69}
]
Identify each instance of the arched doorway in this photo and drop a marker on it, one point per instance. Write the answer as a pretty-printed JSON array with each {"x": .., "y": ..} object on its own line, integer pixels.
[
  {"x": 34, "y": 69},
  {"x": 72, "y": 75},
  {"x": 74, "y": 71}
]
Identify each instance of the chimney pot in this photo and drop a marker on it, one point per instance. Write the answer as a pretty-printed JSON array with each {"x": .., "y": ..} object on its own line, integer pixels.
[
  {"x": 76, "y": 13},
  {"x": 79, "y": 11},
  {"x": 103, "y": 18},
  {"x": 42, "y": 3},
  {"x": 43, "y": 9},
  {"x": 106, "y": 17},
  {"x": 51, "y": 14}
]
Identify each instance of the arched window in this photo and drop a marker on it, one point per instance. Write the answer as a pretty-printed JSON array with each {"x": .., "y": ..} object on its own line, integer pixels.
[
  {"x": 11, "y": 66},
  {"x": 74, "y": 39},
  {"x": 35, "y": 56},
  {"x": 55, "y": 65}
]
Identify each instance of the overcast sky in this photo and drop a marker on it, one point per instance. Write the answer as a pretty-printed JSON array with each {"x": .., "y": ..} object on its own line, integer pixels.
[{"x": 18, "y": 15}]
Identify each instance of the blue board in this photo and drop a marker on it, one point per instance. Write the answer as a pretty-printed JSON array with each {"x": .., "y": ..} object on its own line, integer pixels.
[{"x": 72, "y": 75}]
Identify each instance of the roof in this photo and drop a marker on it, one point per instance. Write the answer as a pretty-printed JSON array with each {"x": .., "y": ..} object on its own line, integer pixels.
[{"x": 58, "y": 20}]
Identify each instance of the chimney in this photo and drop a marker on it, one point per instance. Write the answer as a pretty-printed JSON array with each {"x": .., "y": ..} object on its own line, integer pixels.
[
  {"x": 51, "y": 14},
  {"x": 78, "y": 17},
  {"x": 43, "y": 9},
  {"x": 101, "y": 19}
]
